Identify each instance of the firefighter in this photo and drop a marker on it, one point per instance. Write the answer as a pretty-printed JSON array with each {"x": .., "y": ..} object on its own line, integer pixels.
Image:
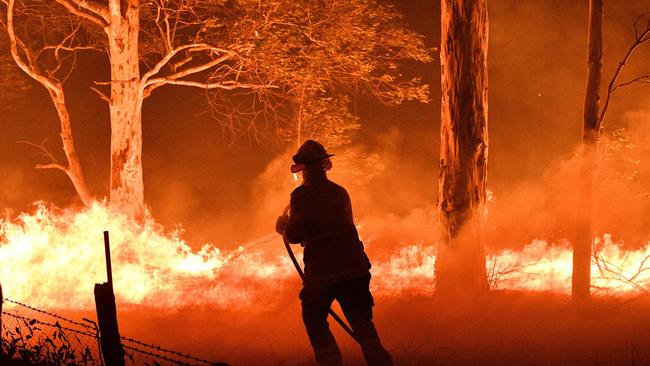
[{"x": 336, "y": 266}]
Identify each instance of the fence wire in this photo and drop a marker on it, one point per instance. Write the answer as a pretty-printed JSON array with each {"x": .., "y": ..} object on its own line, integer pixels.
[{"x": 39, "y": 337}]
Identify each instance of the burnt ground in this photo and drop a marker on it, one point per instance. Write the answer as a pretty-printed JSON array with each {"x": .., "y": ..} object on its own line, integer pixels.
[{"x": 506, "y": 328}]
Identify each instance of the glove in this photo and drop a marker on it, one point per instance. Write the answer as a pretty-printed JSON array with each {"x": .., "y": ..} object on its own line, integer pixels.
[{"x": 281, "y": 224}]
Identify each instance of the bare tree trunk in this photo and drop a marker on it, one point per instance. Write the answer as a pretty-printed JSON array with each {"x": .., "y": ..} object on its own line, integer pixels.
[
  {"x": 126, "y": 185},
  {"x": 460, "y": 263},
  {"x": 73, "y": 170},
  {"x": 581, "y": 281},
  {"x": 55, "y": 88}
]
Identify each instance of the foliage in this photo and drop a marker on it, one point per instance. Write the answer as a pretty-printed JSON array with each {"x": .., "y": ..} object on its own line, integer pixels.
[
  {"x": 28, "y": 344},
  {"x": 315, "y": 55},
  {"x": 272, "y": 67},
  {"x": 329, "y": 50},
  {"x": 301, "y": 61}
]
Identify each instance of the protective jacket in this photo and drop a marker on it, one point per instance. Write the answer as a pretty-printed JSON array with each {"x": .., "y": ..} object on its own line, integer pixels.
[{"x": 321, "y": 220}]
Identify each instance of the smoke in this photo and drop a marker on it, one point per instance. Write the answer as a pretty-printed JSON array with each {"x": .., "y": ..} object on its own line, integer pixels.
[{"x": 203, "y": 191}]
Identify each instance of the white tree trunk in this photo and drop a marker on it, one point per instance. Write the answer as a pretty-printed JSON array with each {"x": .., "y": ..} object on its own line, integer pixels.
[
  {"x": 126, "y": 185},
  {"x": 73, "y": 170}
]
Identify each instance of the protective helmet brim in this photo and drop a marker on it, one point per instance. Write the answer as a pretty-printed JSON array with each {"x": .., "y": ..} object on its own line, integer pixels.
[{"x": 295, "y": 168}]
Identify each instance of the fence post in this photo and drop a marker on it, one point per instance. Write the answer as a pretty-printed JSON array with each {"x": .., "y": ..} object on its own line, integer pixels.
[{"x": 107, "y": 315}]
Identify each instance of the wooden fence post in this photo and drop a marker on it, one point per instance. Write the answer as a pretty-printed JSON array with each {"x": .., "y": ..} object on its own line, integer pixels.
[{"x": 107, "y": 315}]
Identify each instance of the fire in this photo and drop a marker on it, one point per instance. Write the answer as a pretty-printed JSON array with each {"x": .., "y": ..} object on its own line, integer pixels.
[{"x": 52, "y": 258}]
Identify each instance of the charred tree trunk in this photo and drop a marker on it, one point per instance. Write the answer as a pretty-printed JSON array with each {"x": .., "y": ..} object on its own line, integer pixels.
[
  {"x": 126, "y": 185},
  {"x": 581, "y": 281},
  {"x": 460, "y": 263}
]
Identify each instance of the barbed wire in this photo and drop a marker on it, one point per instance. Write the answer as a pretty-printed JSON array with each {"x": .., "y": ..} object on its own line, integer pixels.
[
  {"x": 86, "y": 326},
  {"x": 156, "y": 355},
  {"x": 54, "y": 325},
  {"x": 160, "y": 349},
  {"x": 70, "y": 342},
  {"x": 95, "y": 336}
]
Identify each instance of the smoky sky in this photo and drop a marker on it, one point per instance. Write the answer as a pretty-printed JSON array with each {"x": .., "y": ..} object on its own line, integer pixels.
[{"x": 195, "y": 177}]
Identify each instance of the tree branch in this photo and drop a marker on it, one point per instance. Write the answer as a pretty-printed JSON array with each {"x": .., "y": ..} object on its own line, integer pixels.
[
  {"x": 89, "y": 11},
  {"x": 640, "y": 38},
  {"x": 26, "y": 66},
  {"x": 639, "y": 79},
  {"x": 102, "y": 96},
  {"x": 187, "y": 72},
  {"x": 95, "y": 8},
  {"x": 199, "y": 68},
  {"x": 208, "y": 85},
  {"x": 52, "y": 166},
  {"x": 192, "y": 47}
]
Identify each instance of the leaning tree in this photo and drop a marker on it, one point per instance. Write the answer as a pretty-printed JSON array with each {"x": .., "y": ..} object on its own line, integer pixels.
[
  {"x": 300, "y": 55},
  {"x": 460, "y": 262}
]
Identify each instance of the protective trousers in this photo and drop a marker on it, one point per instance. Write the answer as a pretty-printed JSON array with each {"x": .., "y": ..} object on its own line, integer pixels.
[{"x": 356, "y": 302}]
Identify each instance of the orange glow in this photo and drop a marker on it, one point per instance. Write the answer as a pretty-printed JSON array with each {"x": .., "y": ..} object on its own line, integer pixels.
[{"x": 52, "y": 258}]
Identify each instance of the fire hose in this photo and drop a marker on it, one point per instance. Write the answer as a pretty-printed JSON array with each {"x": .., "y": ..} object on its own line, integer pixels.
[{"x": 301, "y": 273}]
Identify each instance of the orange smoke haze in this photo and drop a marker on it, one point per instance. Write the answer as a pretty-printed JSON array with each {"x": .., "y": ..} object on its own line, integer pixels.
[{"x": 207, "y": 261}]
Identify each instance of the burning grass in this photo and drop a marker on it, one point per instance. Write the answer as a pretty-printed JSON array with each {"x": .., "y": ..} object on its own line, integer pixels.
[
  {"x": 52, "y": 257},
  {"x": 241, "y": 306}
]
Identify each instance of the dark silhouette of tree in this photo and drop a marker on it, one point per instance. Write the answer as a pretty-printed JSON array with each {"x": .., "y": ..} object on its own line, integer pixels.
[
  {"x": 592, "y": 126},
  {"x": 460, "y": 262}
]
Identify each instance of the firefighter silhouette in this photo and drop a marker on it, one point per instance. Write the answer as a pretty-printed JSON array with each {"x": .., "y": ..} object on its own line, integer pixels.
[{"x": 336, "y": 265}]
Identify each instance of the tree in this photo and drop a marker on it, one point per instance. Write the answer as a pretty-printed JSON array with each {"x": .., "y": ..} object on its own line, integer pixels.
[
  {"x": 51, "y": 77},
  {"x": 221, "y": 45},
  {"x": 173, "y": 51},
  {"x": 322, "y": 54},
  {"x": 590, "y": 133},
  {"x": 592, "y": 126},
  {"x": 460, "y": 262},
  {"x": 347, "y": 49}
]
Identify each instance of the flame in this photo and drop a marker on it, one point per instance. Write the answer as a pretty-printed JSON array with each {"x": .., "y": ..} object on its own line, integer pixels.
[{"x": 52, "y": 258}]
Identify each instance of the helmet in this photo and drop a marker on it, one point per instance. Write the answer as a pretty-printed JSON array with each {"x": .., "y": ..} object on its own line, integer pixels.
[{"x": 309, "y": 152}]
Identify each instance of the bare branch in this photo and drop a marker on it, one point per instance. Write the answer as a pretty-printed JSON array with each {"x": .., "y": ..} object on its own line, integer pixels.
[
  {"x": 156, "y": 82},
  {"x": 43, "y": 150},
  {"x": 641, "y": 37},
  {"x": 209, "y": 85},
  {"x": 16, "y": 46},
  {"x": 640, "y": 79},
  {"x": 192, "y": 47},
  {"x": 89, "y": 11},
  {"x": 199, "y": 68},
  {"x": 52, "y": 166},
  {"x": 101, "y": 94}
]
